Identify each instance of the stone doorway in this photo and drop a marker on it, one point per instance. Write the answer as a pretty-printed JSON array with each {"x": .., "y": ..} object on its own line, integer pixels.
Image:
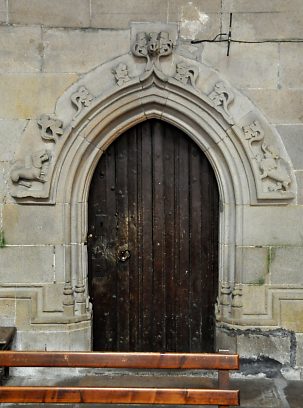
[{"x": 153, "y": 217}]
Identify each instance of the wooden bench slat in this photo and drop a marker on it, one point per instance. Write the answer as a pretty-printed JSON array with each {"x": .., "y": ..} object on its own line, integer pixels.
[
  {"x": 118, "y": 395},
  {"x": 119, "y": 360}
]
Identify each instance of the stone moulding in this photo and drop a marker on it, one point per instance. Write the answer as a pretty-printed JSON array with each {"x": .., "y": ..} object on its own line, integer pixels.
[{"x": 218, "y": 118}]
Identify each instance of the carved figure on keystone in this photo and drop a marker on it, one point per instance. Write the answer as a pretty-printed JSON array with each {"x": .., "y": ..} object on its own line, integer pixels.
[
  {"x": 31, "y": 168},
  {"x": 51, "y": 128},
  {"x": 270, "y": 167},
  {"x": 152, "y": 46}
]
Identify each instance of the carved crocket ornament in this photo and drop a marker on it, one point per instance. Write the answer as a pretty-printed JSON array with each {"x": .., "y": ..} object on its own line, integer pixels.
[{"x": 152, "y": 46}]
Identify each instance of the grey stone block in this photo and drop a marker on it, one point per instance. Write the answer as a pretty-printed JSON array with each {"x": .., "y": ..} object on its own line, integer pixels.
[
  {"x": 299, "y": 177},
  {"x": 8, "y": 311},
  {"x": 33, "y": 225},
  {"x": 225, "y": 341},
  {"x": 197, "y": 24},
  {"x": 21, "y": 49},
  {"x": 26, "y": 96},
  {"x": 206, "y": 6},
  {"x": 286, "y": 265},
  {"x": 291, "y": 314},
  {"x": 52, "y": 297},
  {"x": 254, "y": 299},
  {"x": 114, "y": 14},
  {"x": 54, "y": 13},
  {"x": 292, "y": 136},
  {"x": 95, "y": 47},
  {"x": 299, "y": 350},
  {"x": 43, "y": 340},
  {"x": 291, "y": 60},
  {"x": 279, "y": 105},
  {"x": 255, "y": 265},
  {"x": 273, "y": 225},
  {"x": 261, "y": 26},
  {"x": 10, "y": 137},
  {"x": 251, "y": 66},
  {"x": 27, "y": 264},
  {"x": 259, "y": 6},
  {"x": 3, "y": 11},
  {"x": 252, "y": 345}
]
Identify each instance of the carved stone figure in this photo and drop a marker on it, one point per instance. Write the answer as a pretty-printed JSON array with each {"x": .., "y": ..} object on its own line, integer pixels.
[
  {"x": 51, "y": 128},
  {"x": 185, "y": 74},
  {"x": 81, "y": 99},
  {"x": 221, "y": 97},
  {"x": 253, "y": 132},
  {"x": 33, "y": 168},
  {"x": 271, "y": 168},
  {"x": 152, "y": 46},
  {"x": 121, "y": 74}
]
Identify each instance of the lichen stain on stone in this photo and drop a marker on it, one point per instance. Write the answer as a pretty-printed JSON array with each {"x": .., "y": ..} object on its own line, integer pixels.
[{"x": 193, "y": 21}]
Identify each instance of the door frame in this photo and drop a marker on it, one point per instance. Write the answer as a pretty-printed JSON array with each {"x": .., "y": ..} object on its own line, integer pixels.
[
  {"x": 116, "y": 109},
  {"x": 208, "y": 196}
]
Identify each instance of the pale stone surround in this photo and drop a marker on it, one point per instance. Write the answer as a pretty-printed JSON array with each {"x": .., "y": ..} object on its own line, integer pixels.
[{"x": 263, "y": 252}]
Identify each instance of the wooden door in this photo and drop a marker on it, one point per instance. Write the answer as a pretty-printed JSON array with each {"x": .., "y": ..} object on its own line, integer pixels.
[{"x": 153, "y": 246}]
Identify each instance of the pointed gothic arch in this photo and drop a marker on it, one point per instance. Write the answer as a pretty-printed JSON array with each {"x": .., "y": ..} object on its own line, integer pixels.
[{"x": 246, "y": 153}]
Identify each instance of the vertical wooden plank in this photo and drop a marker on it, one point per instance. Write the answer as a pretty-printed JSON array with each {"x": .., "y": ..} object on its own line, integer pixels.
[
  {"x": 169, "y": 250},
  {"x": 147, "y": 249},
  {"x": 183, "y": 250},
  {"x": 102, "y": 253},
  {"x": 196, "y": 244},
  {"x": 134, "y": 296},
  {"x": 122, "y": 239},
  {"x": 210, "y": 242},
  {"x": 159, "y": 292}
]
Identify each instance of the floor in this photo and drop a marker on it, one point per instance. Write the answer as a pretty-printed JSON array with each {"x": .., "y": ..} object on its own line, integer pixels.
[{"x": 261, "y": 392}]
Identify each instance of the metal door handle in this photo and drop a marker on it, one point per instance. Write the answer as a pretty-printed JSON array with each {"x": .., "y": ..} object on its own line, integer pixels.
[{"x": 124, "y": 255}]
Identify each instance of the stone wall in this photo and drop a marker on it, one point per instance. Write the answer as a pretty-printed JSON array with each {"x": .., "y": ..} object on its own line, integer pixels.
[{"x": 48, "y": 45}]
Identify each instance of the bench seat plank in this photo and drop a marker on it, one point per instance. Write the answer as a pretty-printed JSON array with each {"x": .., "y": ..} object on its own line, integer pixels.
[
  {"x": 118, "y": 395},
  {"x": 206, "y": 361}
]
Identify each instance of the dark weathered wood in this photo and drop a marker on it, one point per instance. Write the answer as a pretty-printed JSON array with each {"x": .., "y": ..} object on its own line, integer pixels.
[
  {"x": 119, "y": 360},
  {"x": 158, "y": 198},
  {"x": 118, "y": 395},
  {"x": 6, "y": 337}
]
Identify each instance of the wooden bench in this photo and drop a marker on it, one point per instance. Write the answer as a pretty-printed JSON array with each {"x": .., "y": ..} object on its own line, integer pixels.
[
  {"x": 7, "y": 335},
  {"x": 222, "y": 396}
]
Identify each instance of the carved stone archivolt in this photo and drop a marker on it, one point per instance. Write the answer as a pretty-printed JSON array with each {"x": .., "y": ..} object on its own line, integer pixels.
[{"x": 245, "y": 151}]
